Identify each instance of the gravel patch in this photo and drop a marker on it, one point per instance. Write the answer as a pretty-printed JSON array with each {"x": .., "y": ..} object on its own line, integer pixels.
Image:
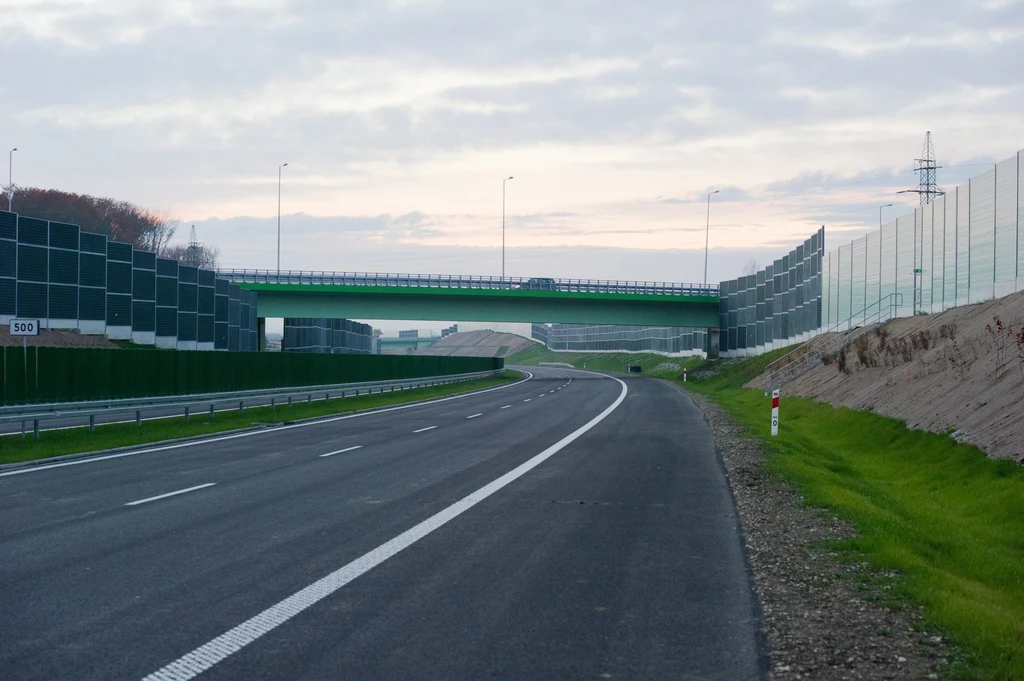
[{"x": 822, "y": 618}]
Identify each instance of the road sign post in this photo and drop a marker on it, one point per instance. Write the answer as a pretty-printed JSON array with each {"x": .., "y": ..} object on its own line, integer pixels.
[
  {"x": 25, "y": 328},
  {"x": 775, "y": 413}
]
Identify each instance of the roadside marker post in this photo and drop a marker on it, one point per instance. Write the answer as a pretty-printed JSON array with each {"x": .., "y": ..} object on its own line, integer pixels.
[
  {"x": 775, "y": 413},
  {"x": 684, "y": 375}
]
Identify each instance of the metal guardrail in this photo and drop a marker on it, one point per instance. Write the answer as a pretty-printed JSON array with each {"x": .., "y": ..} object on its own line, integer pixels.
[
  {"x": 466, "y": 282},
  {"x": 34, "y": 413},
  {"x": 807, "y": 356}
]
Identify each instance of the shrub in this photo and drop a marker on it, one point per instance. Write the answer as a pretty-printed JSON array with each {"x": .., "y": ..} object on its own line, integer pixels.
[
  {"x": 883, "y": 336},
  {"x": 865, "y": 354},
  {"x": 841, "y": 362}
]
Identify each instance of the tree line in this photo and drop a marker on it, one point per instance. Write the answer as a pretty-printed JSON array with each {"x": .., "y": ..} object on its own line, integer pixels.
[{"x": 144, "y": 229}]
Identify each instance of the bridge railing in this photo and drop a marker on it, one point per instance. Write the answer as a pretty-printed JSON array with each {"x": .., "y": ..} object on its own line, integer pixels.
[{"x": 467, "y": 282}]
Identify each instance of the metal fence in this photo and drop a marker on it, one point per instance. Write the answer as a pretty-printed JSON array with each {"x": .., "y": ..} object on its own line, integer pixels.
[
  {"x": 620, "y": 338},
  {"x": 183, "y": 404},
  {"x": 964, "y": 247},
  {"x": 467, "y": 282},
  {"x": 808, "y": 355},
  {"x": 36, "y": 375}
]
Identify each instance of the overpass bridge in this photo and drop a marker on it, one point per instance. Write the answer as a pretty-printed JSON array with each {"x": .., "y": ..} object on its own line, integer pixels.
[{"x": 478, "y": 298}]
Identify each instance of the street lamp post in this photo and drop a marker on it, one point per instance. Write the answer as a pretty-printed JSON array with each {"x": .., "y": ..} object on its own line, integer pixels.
[
  {"x": 707, "y": 232},
  {"x": 279, "y": 221},
  {"x": 10, "y": 178},
  {"x": 503, "y": 182}
]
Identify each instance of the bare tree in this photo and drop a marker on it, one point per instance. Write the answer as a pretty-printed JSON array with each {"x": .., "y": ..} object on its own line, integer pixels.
[
  {"x": 162, "y": 229},
  {"x": 202, "y": 256},
  {"x": 119, "y": 220},
  {"x": 750, "y": 268}
]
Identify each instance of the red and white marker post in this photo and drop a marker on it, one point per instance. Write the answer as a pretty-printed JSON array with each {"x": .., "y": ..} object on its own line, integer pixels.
[{"x": 775, "y": 413}]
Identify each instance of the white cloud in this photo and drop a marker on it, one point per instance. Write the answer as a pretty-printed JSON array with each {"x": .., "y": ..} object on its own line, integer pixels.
[{"x": 599, "y": 109}]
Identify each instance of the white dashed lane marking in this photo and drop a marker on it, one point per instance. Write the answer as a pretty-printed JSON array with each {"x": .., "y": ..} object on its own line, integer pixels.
[
  {"x": 341, "y": 451},
  {"x": 204, "y": 657},
  {"x": 169, "y": 494}
]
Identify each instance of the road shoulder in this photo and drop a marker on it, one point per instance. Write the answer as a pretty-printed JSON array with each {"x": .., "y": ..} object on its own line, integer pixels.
[{"x": 822, "y": 619}]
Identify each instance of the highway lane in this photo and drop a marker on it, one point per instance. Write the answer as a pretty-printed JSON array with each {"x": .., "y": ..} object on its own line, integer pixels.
[{"x": 644, "y": 579}]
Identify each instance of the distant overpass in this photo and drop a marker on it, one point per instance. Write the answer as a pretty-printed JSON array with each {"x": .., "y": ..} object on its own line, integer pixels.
[{"x": 472, "y": 298}]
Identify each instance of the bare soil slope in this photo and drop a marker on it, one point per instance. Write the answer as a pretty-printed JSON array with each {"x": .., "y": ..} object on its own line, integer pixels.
[
  {"x": 477, "y": 344},
  {"x": 57, "y": 339},
  {"x": 961, "y": 371}
]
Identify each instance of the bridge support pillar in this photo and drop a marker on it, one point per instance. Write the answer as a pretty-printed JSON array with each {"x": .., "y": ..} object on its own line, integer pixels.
[
  {"x": 712, "y": 343},
  {"x": 261, "y": 324}
]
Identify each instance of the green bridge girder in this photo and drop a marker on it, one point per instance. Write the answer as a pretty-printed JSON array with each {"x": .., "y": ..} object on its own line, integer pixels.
[{"x": 484, "y": 305}]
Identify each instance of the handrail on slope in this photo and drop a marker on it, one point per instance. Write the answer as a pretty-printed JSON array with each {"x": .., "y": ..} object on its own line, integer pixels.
[{"x": 807, "y": 355}]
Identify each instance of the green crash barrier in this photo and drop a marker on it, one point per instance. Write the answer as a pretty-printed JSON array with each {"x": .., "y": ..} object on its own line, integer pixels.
[{"x": 77, "y": 374}]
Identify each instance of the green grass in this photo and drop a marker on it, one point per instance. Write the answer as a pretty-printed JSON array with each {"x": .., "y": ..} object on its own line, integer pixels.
[
  {"x": 949, "y": 519},
  {"x": 76, "y": 440},
  {"x": 607, "y": 361}
]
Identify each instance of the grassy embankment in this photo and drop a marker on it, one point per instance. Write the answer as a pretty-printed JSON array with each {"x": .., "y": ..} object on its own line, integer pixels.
[
  {"x": 75, "y": 440},
  {"x": 658, "y": 366},
  {"x": 948, "y": 519}
]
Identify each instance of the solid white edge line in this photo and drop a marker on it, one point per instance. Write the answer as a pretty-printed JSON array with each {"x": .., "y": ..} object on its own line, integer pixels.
[
  {"x": 423, "y": 430},
  {"x": 342, "y": 451},
  {"x": 206, "y": 656},
  {"x": 169, "y": 494},
  {"x": 262, "y": 431},
  {"x": 475, "y": 415}
]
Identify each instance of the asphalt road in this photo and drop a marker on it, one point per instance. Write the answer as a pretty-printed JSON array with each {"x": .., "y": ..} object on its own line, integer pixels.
[{"x": 571, "y": 526}]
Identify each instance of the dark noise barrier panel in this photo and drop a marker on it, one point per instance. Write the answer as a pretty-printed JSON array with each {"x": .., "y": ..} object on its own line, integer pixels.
[{"x": 38, "y": 375}]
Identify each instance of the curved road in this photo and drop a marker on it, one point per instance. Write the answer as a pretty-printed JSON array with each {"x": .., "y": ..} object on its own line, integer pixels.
[{"x": 569, "y": 526}]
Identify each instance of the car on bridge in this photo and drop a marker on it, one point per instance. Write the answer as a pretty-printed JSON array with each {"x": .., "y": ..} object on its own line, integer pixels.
[{"x": 540, "y": 284}]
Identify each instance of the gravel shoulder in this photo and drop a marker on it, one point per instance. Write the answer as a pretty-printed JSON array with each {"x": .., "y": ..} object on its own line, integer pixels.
[{"x": 823, "y": 619}]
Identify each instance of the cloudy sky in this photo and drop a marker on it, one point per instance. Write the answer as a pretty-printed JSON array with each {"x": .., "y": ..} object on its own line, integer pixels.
[{"x": 399, "y": 119}]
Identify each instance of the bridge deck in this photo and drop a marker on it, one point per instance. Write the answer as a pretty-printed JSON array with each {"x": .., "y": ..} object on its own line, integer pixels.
[{"x": 445, "y": 281}]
